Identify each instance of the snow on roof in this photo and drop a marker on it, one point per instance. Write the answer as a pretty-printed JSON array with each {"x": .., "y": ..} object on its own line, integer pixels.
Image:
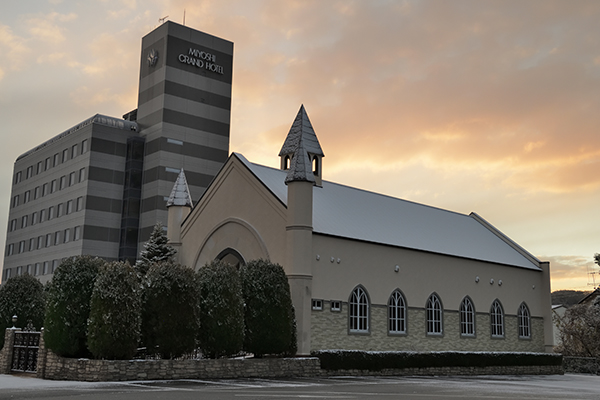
[
  {"x": 344, "y": 211},
  {"x": 180, "y": 195}
]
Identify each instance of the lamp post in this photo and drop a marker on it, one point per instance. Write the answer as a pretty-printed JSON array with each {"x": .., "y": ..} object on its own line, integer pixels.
[{"x": 14, "y": 321}]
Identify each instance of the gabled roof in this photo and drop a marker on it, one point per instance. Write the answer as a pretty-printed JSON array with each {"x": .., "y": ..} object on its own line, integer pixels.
[
  {"x": 301, "y": 131},
  {"x": 352, "y": 213},
  {"x": 180, "y": 195}
]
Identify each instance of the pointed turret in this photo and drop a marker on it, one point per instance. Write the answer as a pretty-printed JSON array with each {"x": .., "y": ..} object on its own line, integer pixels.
[
  {"x": 309, "y": 158},
  {"x": 179, "y": 206}
]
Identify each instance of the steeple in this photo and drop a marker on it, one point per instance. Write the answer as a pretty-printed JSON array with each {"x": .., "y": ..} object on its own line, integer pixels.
[
  {"x": 301, "y": 152},
  {"x": 180, "y": 195},
  {"x": 179, "y": 206}
]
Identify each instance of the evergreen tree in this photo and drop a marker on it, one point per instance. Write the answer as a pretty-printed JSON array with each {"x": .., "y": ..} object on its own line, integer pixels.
[
  {"x": 24, "y": 297},
  {"x": 268, "y": 311},
  {"x": 170, "y": 310},
  {"x": 68, "y": 306},
  {"x": 156, "y": 250},
  {"x": 221, "y": 310},
  {"x": 115, "y": 313}
]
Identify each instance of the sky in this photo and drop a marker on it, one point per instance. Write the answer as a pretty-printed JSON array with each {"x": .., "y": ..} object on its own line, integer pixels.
[{"x": 490, "y": 107}]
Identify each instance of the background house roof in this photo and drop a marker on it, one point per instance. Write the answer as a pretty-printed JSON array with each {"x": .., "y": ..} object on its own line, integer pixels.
[{"x": 348, "y": 212}]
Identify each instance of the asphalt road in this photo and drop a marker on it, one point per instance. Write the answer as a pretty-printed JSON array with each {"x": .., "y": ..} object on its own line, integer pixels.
[{"x": 569, "y": 386}]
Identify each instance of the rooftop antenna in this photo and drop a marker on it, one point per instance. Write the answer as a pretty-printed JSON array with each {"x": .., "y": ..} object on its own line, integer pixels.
[
  {"x": 592, "y": 272},
  {"x": 184, "y": 17},
  {"x": 162, "y": 20}
]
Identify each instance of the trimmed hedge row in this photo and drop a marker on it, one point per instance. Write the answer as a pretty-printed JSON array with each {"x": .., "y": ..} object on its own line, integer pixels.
[{"x": 377, "y": 361}]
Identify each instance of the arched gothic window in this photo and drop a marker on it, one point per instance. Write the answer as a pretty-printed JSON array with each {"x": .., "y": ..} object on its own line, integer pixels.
[
  {"x": 396, "y": 313},
  {"x": 359, "y": 311},
  {"x": 497, "y": 319},
  {"x": 434, "y": 315},
  {"x": 467, "y": 317},
  {"x": 524, "y": 322}
]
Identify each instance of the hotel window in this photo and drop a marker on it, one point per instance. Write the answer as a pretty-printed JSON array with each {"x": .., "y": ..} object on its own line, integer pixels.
[
  {"x": 54, "y": 265},
  {"x": 434, "y": 315},
  {"x": 63, "y": 182},
  {"x": 24, "y": 221},
  {"x": 72, "y": 179},
  {"x": 69, "y": 207},
  {"x": 26, "y": 197},
  {"x": 396, "y": 313},
  {"x": 358, "y": 310},
  {"x": 317, "y": 305},
  {"x": 21, "y": 246},
  {"x": 36, "y": 193},
  {"x": 18, "y": 177},
  {"x": 56, "y": 160},
  {"x": 67, "y": 235},
  {"x": 29, "y": 172},
  {"x": 65, "y": 155},
  {"x": 15, "y": 201},
  {"x": 53, "y": 186},
  {"x": 84, "y": 146},
  {"x": 50, "y": 213},
  {"x": 29, "y": 269},
  {"x": 40, "y": 242},
  {"x": 497, "y": 320},
  {"x": 77, "y": 233},
  {"x": 8, "y": 273},
  {"x": 79, "y": 205},
  {"x": 39, "y": 168},
  {"x": 524, "y": 322},
  {"x": 57, "y": 237},
  {"x": 10, "y": 250},
  {"x": 44, "y": 189},
  {"x": 13, "y": 225},
  {"x": 60, "y": 210},
  {"x": 74, "y": 151},
  {"x": 47, "y": 164},
  {"x": 43, "y": 215},
  {"x": 34, "y": 218},
  {"x": 48, "y": 240},
  {"x": 20, "y": 270},
  {"x": 38, "y": 267},
  {"x": 467, "y": 317},
  {"x": 32, "y": 244},
  {"x": 46, "y": 267},
  {"x": 81, "y": 174}
]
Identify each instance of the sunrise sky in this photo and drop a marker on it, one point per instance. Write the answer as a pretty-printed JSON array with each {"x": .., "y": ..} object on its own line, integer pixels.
[{"x": 492, "y": 107}]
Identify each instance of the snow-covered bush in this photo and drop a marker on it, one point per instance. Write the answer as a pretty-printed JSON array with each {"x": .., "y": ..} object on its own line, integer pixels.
[
  {"x": 169, "y": 310},
  {"x": 221, "y": 330},
  {"x": 115, "y": 312},
  {"x": 68, "y": 306},
  {"x": 268, "y": 310},
  {"x": 156, "y": 249},
  {"x": 22, "y": 296}
]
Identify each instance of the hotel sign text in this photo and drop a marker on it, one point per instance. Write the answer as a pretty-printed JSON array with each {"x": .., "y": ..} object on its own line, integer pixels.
[{"x": 201, "y": 59}]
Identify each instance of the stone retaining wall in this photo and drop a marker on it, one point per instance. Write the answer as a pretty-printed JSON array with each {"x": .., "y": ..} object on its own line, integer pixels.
[
  {"x": 582, "y": 365},
  {"x": 449, "y": 371}
]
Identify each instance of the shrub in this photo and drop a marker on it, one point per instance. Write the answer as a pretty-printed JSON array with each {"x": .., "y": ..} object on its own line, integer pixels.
[
  {"x": 156, "y": 249},
  {"x": 24, "y": 297},
  {"x": 268, "y": 310},
  {"x": 580, "y": 330},
  {"x": 68, "y": 306},
  {"x": 169, "y": 310},
  {"x": 115, "y": 313},
  {"x": 221, "y": 310}
]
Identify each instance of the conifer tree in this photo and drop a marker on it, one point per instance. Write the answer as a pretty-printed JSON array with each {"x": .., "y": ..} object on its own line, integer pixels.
[{"x": 156, "y": 250}]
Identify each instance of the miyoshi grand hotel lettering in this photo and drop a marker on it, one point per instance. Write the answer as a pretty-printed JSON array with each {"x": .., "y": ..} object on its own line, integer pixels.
[{"x": 201, "y": 59}]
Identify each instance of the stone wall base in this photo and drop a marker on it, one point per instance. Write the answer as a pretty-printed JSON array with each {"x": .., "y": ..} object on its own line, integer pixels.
[{"x": 450, "y": 371}]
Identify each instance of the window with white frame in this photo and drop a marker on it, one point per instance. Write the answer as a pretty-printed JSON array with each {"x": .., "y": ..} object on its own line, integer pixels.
[
  {"x": 317, "y": 304},
  {"x": 396, "y": 313},
  {"x": 497, "y": 319},
  {"x": 336, "y": 305},
  {"x": 358, "y": 311},
  {"x": 434, "y": 315},
  {"x": 467, "y": 317},
  {"x": 524, "y": 322}
]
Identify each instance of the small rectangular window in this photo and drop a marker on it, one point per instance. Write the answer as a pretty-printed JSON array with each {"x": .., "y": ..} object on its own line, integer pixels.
[
  {"x": 20, "y": 270},
  {"x": 36, "y": 193},
  {"x": 47, "y": 164},
  {"x": 29, "y": 172},
  {"x": 8, "y": 273},
  {"x": 57, "y": 237},
  {"x": 74, "y": 151},
  {"x": 77, "y": 233},
  {"x": 69, "y": 207},
  {"x": 72, "y": 179},
  {"x": 24, "y": 221},
  {"x": 60, "y": 210},
  {"x": 26, "y": 197},
  {"x": 317, "y": 305},
  {"x": 29, "y": 269},
  {"x": 175, "y": 141},
  {"x": 56, "y": 160},
  {"x": 34, "y": 217},
  {"x": 84, "y": 146},
  {"x": 40, "y": 242},
  {"x": 173, "y": 170},
  {"x": 79, "y": 206},
  {"x": 65, "y": 155},
  {"x": 63, "y": 182},
  {"x": 46, "y": 267},
  {"x": 81, "y": 174},
  {"x": 21, "y": 246},
  {"x": 67, "y": 235},
  {"x": 50, "y": 213},
  {"x": 15, "y": 201},
  {"x": 38, "y": 268},
  {"x": 32, "y": 244},
  {"x": 43, "y": 215},
  {"x": 336, "y": 306},
  {"x": 53, "y": 186},
  {"x": 18, "y": 177},
  {"x": 49, "y": 240},
  {"x": 44, "y": 189},
  {"x": 40, "y": 165},
  {"x": 10, "y": 250},
  {"x": 13, "y": 225},
  {"x": 54, "y": 265}
]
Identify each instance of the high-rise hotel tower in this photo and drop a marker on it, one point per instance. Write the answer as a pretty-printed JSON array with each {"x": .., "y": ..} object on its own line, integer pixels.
[{"x": 100, "y": 187}]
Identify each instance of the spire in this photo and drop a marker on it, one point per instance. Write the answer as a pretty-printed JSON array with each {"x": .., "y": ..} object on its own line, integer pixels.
[
  {"x": 180, "y": 195},
  {"x": 301, "y": 130},
  {"x": 300, "y": 166}
]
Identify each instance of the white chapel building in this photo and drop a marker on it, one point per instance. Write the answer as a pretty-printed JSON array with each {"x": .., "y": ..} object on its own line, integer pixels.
[{"x": 366, "y": 271}]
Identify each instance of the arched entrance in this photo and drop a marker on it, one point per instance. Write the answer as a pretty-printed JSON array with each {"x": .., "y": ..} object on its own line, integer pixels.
[{"x": 231, "y": 257}]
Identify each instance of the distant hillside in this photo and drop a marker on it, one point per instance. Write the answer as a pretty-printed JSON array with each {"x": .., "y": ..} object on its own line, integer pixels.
[{"x": 568, "y": 297}]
